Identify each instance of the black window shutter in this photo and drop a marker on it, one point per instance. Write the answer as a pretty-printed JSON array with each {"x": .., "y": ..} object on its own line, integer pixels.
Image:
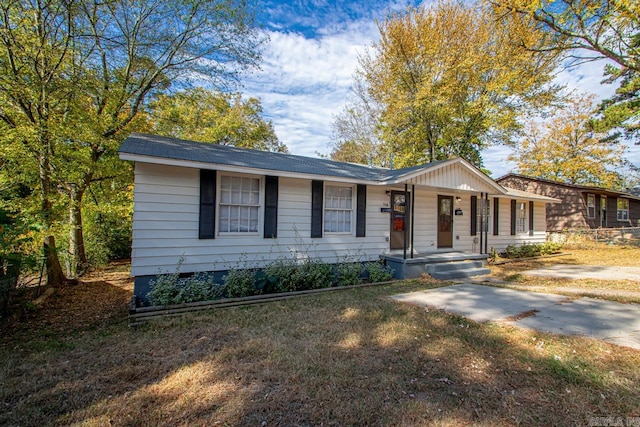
[
  {"x": 361, "y": 211},
  {"x": 531, "y": 218},
  {"x": 513, "y": 217},
  {"x": 207, "y": 228},
  {"x": 317, "y": 188},
  {"x": 474, "y": 215},
  {"x": 496, "y": 220},
  {"x": 270, "y": 207}
]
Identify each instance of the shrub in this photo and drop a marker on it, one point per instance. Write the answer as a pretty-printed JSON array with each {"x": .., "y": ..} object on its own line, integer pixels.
[
  {"x": 283, "y": 274},
  {"x": 240, "y": 283},
  {"x": 169, "y": 289},
  {"x": 349, "y": 273},
  {"x": 314, "y": 274},
  {"x": 531, "y": 250},
  {"x": 378, "y": 272}
]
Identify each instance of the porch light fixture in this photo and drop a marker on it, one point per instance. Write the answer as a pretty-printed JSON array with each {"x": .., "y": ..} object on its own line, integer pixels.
[{"x": 458, "y": 199}]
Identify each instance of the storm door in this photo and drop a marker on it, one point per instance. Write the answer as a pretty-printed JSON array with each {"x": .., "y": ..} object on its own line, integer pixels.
[
  {"x": 399, "y": 220},
  {"x": 445, "y": 221}
]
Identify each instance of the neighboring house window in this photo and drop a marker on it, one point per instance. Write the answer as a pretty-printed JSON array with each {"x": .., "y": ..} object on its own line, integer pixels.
[
  {"x": 484, "y": 224},
  {"x": 591, "y": 206},
  {"x": 338, "y": 209},
  {"x": 623, "y": 210},
  {"x": 239, "y": 204},
  {"x": 521, "y": 217}
]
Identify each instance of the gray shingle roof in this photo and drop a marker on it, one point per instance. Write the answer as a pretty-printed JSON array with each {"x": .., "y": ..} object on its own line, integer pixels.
[{"x": 179, "y": 149}]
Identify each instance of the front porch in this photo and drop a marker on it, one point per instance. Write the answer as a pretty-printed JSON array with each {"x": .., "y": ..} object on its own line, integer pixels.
[{"x": 440, "y": 265}]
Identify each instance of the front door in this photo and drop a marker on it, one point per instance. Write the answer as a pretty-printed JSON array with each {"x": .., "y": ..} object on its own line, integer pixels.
[
  {"x": 445, "y": 221},
  {"x": 603, "y": 211},
  {"x": 399, "y": 220}
]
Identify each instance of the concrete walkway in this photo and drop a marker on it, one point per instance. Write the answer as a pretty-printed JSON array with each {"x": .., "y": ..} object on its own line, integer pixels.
[{"x": 605, "y": 320}]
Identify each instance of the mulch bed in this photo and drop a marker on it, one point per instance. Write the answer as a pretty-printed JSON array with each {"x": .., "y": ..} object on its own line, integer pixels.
[{"x": 97, "y": 299}]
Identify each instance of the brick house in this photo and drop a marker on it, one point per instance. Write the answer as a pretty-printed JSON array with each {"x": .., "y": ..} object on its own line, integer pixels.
[{"x": 581, "y": 206}]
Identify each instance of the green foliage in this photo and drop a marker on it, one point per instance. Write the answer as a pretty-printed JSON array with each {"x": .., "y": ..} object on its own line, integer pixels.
[
  {"x": 169, "y": 289},
  {"x": 315, "y": 274},
  {"x": 215, "y": 117},
  {"x": 532, "y": 250},
  {"x": 378, "y": 272},
  {"x": 108, "y": 233},
  {"x": 290, "y": 275},
  {"x": 284, "y": 274},
  {"x": 73, "y": 90},
  {"x": 349, "y": 273},
  {"x": 585, "y": 30},
  {"x": 240, "y": 283}
]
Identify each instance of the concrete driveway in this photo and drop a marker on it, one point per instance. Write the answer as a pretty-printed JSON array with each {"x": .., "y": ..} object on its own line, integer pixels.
[
  {"x": 587, "y": 272},
  {"x": 605, "y": 320}
]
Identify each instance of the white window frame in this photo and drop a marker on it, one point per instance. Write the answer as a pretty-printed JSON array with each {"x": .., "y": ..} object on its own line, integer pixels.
[
  {"x": 489, "y": 224},
  {"x": 220, "y": 205},
  {"x": 622, "y": 214},
  {"x": 522, "y": 222},
  {"x": 349, "y": 211},
  {"x": 591, "y": 206}
]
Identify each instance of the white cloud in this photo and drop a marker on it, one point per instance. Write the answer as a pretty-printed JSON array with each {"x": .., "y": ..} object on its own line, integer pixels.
[{"x": 304, "y": 82}]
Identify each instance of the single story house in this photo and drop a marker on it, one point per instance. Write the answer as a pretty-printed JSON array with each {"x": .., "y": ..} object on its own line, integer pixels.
[
  {"x": 580, "y": 206},
  {"x": 216, "y": 207}
]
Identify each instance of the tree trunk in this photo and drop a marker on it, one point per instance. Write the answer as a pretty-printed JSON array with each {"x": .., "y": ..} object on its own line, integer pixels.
[
  {"x": 79, "y": 261},
  {"x": 55, "y": 276}
]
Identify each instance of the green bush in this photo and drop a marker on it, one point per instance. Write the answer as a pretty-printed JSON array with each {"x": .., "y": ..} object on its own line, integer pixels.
[
  {"x": 169, "y": 289},
  {"x": 349, "y": 273},
  {"x": 240, "y": 283},
  {"x": 289, "y": 275},
  {"x": 314, "y": 274},
  {"x": 283, "y": 273},
  {"x": 531, "y": 250},
  {"x": 378, "y": 272}
]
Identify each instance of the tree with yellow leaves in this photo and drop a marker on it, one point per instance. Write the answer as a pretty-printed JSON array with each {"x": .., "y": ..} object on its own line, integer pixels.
[
  {"x": 452, "y": 78},
  {"x": 566, "y": 149}
]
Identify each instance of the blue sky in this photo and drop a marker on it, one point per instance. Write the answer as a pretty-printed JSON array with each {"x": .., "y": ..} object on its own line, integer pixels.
[{"x": 312, "y": 54}]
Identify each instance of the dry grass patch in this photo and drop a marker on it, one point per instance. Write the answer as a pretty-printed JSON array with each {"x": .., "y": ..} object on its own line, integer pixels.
[
  {"x": 628, "y": 291},
  {"x": 353, "y": 357}
]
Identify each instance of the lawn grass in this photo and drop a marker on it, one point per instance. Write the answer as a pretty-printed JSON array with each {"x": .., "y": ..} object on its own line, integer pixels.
[
  {"x": 628, "y": 291},
  {"x": 352, "y": 357}
]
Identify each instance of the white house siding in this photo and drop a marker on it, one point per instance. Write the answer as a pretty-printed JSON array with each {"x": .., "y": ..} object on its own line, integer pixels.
[
  {"x": 425, "y": 231},
  {"x": 166, "y": 222},
  {"x": 504, "y": 238}
]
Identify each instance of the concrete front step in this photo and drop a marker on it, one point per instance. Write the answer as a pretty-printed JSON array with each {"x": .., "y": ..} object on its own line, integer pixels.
[
  {"x": 453, "y": 266},
  {"x": 436, "y": 263},
  {"x": 459, "y": 274},
  {"x": 457, "y": 270}
]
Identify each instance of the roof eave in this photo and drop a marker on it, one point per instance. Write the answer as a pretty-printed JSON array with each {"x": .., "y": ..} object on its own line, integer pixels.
[{"x": 239, "y": 169}]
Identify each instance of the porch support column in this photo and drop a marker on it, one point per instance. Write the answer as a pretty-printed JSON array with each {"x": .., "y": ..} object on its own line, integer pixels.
[
  {"x": 413, "y": 204},
  {"x": 404, "y": 235},
  {"x": 481, "y": 206},
  {"x": 486, "y": 221}
]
